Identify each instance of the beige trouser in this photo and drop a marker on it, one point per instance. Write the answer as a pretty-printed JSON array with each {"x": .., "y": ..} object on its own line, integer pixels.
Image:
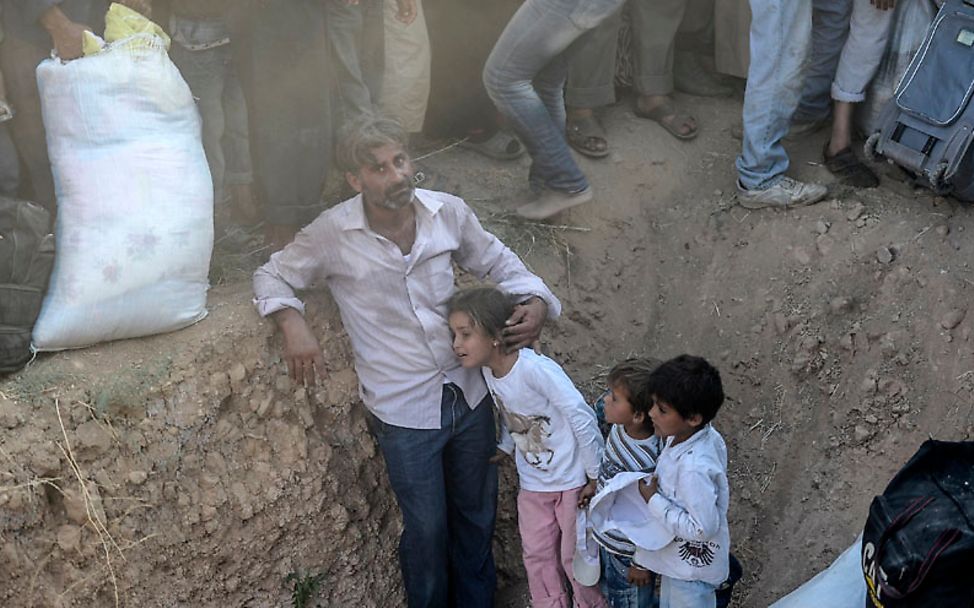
[{"x": 406, "y": 83}]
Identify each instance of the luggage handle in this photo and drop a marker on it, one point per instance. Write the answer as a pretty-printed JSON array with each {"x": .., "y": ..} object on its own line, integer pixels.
[{"x": 944, "y": 540}]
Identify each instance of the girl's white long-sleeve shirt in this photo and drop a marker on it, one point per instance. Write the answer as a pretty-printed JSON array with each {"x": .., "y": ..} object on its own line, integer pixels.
[
  {"x": 556, "y": 435},
  {"x": 691, "y": 505}
]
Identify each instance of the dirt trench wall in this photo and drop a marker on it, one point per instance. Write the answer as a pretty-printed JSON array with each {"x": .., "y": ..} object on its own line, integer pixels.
[{"x": 208, "y": 476}]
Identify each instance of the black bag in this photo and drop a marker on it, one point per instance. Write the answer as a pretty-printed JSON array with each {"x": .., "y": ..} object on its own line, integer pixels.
[
  {"x": 918, "y": 543},
  {"x": 26, "y": 259},
  {"x": 928, "y": 126}
]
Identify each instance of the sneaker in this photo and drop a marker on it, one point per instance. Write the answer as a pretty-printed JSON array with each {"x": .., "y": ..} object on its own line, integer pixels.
[
  {"x": 784, "y": 194},
  {"x": 552, "y": 202}
]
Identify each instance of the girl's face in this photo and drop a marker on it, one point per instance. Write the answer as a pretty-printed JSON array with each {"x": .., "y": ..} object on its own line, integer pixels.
[{"x": 471, "y": 344}]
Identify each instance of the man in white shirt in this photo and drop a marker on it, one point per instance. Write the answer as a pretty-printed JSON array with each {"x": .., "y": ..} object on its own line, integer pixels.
[{"x": 387, "y": 255}]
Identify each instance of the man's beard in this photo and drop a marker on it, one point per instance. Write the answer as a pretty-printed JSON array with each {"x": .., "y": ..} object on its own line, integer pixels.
[{"x": 397, "y": 197}]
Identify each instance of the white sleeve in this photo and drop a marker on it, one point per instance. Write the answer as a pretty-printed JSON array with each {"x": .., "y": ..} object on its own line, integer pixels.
[
  {"x": 552, "y": 382},
  {"x": 700, "y": 519}
]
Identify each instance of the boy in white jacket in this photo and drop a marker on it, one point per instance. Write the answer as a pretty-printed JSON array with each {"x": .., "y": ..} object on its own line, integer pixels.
[{"x": 688, "y": 497}]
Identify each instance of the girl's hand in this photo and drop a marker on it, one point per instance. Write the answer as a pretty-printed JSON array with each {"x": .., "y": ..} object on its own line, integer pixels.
[
  {"x": 497, "y": 457},
  {"x": 586, "y": 494},
  {"x": 639, "y": 577}
]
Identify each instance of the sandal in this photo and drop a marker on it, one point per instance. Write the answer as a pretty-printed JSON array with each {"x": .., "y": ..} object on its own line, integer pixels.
[
  {"x": 666, "y": 116},
  {"x": 499, "y": 146},
  {"x": 849, "y": 170},
  {"x": 587, "y": 135}
]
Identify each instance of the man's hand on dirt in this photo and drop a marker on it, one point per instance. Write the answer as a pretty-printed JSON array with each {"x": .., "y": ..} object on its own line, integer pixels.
[
  {"x": 302, "y": 353},
  {"x": 407, "y": 11},
  {"x": 638, "y": 576},
  {"x": 524, "y": 327},
  {"x": 67, "y": 36},
  {"x": 586, "y": 494}
]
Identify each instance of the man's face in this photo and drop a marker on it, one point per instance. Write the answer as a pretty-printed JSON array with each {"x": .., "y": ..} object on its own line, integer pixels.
[{"x": 387, "y": 182}]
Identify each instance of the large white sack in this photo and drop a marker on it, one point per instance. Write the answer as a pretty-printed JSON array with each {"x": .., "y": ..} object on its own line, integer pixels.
[
  {"x": 841, "y": 585},
  {"x": 135, "y": 201}
]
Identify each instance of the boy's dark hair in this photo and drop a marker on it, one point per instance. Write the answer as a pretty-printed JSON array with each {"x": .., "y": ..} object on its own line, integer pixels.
[
  {"x": 488, "y": 307},
  {"x": 634, "y": 376},
  {"x": 690, "y": 385}
]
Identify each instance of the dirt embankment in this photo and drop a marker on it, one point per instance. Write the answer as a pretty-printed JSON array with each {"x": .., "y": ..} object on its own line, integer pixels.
[{"x": 842, "y": 332}]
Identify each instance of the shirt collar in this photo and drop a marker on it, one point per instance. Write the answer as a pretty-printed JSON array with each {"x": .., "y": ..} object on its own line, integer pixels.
[
  {"x": 354, "y": 218},
  {"x": 687, "y": 445}
]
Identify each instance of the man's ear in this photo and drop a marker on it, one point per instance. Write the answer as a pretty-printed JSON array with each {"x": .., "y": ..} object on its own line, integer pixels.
[{"x": 353, "y": 181}]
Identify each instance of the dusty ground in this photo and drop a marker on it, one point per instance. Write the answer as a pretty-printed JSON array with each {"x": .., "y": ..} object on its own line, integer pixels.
[{"x": 840, "y": 330}]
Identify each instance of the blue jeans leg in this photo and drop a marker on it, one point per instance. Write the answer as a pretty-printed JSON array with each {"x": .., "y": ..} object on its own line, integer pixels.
[
  {"x": 525, "y": 76},
  {"x": 205, "y": 73},
  {"x": 674, "y": 593},
  {"x": 447, "y": 493},
  {"x": 780, "y": 35},
  {"x": 830, "y": 27},
  {"x": 619, "y": 592}
]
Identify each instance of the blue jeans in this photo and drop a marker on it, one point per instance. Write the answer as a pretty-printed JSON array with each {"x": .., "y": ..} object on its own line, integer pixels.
[
  {"x": 618, "y": 591},
  {"x": 356, "y": 36},
  {"x": 212, "y": 78},
  {"x": 830, "y": 27},
  {"x": 525, "y": 77},
  {"x": 780, "y": 35},
  {"x": 447, "y": 492},
  {"x": 674, "y": 593}
]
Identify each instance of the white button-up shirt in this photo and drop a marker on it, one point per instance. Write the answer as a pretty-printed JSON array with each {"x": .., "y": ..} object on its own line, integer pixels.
[{"x": 394, "y": 306}]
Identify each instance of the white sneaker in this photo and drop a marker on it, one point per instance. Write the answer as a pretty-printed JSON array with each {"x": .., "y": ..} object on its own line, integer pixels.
[
  {"x": 552, "y": 202},
  {"x": 785, "y": 194}
]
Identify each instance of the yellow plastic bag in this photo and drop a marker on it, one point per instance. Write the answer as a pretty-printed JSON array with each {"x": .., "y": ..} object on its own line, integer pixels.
[{"x": 122, "y": 22}]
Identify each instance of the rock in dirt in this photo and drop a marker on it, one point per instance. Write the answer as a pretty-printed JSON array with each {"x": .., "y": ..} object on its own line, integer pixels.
[
  {"x": 862, "y": 433},
  {"x": 69, "y": 538},
  {"x": 824, "y": 243},
  {"x": 884, "y": 255},
  {"x": 137, "y": 478},
  {"x": 821, "y": 226},
  {"x": 10, "y": 418},
  {"x": 92, "y": 438},
  {"x": 840, "y": 304},
  {"x": 953, "y": 318},
  {"x": 855, "y": 212}
]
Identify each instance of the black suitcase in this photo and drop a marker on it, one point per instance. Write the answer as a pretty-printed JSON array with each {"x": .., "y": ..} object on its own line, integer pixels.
[
  {"x": 928, "y": 126},
  {"x": 918, "y": 542}
]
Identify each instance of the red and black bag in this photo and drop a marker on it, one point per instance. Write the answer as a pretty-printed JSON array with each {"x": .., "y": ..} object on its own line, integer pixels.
[{"x": 918, "y": 543}]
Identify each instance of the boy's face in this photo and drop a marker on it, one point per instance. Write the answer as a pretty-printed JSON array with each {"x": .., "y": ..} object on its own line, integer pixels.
[
  {"x": 618, "y": 409},
  {"x": 669, "y": 422}
]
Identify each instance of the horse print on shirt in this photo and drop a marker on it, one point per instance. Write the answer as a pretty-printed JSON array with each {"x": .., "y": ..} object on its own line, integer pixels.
[{"x": 529, "y": 434}]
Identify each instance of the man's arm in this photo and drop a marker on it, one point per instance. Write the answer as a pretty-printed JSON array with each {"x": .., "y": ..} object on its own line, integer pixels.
[
  {"x": 485, "y": 256},
  {"x": 67, "y": 36},
  {"x": 295, "y": 267}
]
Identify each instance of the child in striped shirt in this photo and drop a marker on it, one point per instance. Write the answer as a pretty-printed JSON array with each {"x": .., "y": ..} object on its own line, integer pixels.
[{"x": 631, "y": 446}]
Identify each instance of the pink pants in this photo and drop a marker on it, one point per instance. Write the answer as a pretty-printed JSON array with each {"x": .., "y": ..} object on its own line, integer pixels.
[{"x": 547, "y": 524}]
